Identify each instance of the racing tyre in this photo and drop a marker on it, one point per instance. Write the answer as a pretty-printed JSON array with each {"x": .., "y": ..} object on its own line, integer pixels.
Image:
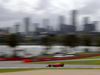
[
  {"x": 49, "y": 65},
  {"x": 54, "y": 66},
  {"x": 62, "y": 66}
]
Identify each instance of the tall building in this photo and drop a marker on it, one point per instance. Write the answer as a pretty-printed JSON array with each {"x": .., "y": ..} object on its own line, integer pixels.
[
  {"x": 17, "y": 28},
  {"x": 46, "y": 24},
  {"x": 74, "y": 17},
  {"x": 86, "y": 20},
  {"x": 95, "y": 22},
  {"x": 61, "y": 19},
  {"x": 89, "y": 27},
  {"x": 65, "y": 28},
  {"x": 86, "y": 24},
  {"x": 74, "y": 20},
  {"x": 27, "y": 24},
  {"x": 8, "y": 29},
  {"x": 36, "y": 26},
  {"x": 61, "y": 22},
  {"x": 94, "y": 25}
]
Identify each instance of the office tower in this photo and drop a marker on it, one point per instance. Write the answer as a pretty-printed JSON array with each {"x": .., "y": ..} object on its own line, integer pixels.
[
  {"x": 73, "y": 21},
  {"x": 61, "y": 22},
  {"x": 46, "y": 24},
  {"x": 94, "y": 25},
  {"x": 27, "y": 24},
  {"x": 8, "y": 29},
  {"x": 86, "y": 20},
  {"x": 61, "y": 19},
  {"x": 95, "y": 22},
  {"x": 86, "y": 24},
  {"x": 51, "y": 29},
  {"x": 36, "y": 26},
  {"x": 89, "y": 27},
  {"x": 74, "y": 17},
  {"x": 17, "y": 28}
]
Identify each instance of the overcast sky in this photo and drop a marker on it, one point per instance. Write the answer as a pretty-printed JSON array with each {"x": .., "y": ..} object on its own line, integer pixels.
[{"x": 13, "y": 11}]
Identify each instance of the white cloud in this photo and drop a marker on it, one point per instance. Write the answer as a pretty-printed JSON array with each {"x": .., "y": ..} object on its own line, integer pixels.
[
  {"x": 20, "y": 5},
  {"x": 31, "y": 6},
  {"x": 47, "y": 8}
]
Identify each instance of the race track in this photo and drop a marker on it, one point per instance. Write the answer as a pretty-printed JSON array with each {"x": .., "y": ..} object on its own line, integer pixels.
[{"x": 16, "y": 64}]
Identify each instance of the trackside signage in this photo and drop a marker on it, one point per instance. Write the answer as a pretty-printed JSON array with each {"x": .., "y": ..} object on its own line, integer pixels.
[
  {"x": 2, "y": 59},
  {"x": 61, "y": 58},
  {"x": 10, "y": 59}
]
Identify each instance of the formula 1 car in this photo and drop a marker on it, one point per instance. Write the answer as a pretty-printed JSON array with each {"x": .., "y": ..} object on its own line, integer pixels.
[{"x": 56, "y": 65}]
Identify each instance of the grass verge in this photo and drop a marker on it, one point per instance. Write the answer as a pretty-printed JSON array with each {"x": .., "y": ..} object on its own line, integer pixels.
[
  {"x": 94, "y": 57},
  {"x": 87, "y": 62},
  {"x": 14, "y": 70},
  {"x": 87, "y": 53},
  {"x": 29, "y": 69}
]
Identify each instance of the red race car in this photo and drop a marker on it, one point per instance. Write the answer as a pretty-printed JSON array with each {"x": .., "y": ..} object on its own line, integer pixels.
[{"x": 56, "y": 65}]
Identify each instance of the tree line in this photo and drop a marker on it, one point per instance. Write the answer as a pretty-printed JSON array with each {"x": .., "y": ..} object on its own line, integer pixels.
[{"x": 68, "y": 40}]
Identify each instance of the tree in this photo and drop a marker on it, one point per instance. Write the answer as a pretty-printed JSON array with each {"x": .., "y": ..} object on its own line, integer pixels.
[
  {"x": 12, "y": 41},
  {"x": 70, "y": 40},
  {"x": 86, "y": 40},
  {"x": 47, "y": 42},
  {"x": 3, "y": 39},
  {"x": 97, "y": 40},
  {"x": 57, "y": 39}
]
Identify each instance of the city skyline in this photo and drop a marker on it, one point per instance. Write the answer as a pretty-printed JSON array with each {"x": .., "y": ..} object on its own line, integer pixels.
[
  {"x": 63, "y": 28},
  {"x": 13, "y": 11},
  {"x": 29, "y": 24}
]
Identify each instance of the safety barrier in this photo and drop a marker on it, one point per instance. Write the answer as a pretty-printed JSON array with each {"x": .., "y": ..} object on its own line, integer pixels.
[
  {"x": 46, "y": 59},
  {"x": 57, "y": 58},
  {"x": 10, "y": 59}
]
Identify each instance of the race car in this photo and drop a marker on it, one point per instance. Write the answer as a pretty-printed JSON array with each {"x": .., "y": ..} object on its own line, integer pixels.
[{"x": 56, "y": 65}]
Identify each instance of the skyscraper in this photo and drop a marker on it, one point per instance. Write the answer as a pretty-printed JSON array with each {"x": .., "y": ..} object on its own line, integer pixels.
[
  {"x": 61, "y": 19},
  {"x": 74, "y": 17},
  {"x": 8, "y": 29},
  {"x": 46, "y": 24},
  {"x": 27, "y": 24},
  {"x": 86, "y": 24},
  {"x": 61, "y": 22},
  {"x": 36, "y": 26},
  {"x": 89, "y": 27},
  {"x": 86, "y": 20},
  {"x": 95, "y": 22},
  {"x": 74, "y": 20},
  {"x": 94, "y": 25},
  {"x": 17, "y": 28}
]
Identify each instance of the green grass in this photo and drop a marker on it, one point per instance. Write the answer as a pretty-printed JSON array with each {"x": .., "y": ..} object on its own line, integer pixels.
[
  {"x": 87, "y": 62},
  {"x": 14, "y": 70},
  {"x": 45, "y": 56},
  {"x": 94, "y": 57},
  {"x": 29, "y": 69},
  {"x": 87, "y": 53}
]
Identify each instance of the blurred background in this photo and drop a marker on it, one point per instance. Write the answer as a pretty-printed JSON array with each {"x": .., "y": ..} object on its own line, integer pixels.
[{"x": 49, "y": 28}]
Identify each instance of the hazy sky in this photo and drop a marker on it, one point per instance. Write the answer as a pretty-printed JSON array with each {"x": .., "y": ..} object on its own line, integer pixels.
[{"x": 12, "y": 11}]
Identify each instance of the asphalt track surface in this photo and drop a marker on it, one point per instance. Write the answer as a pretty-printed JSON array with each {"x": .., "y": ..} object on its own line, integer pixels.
[{"x": 16, "y": 64}]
